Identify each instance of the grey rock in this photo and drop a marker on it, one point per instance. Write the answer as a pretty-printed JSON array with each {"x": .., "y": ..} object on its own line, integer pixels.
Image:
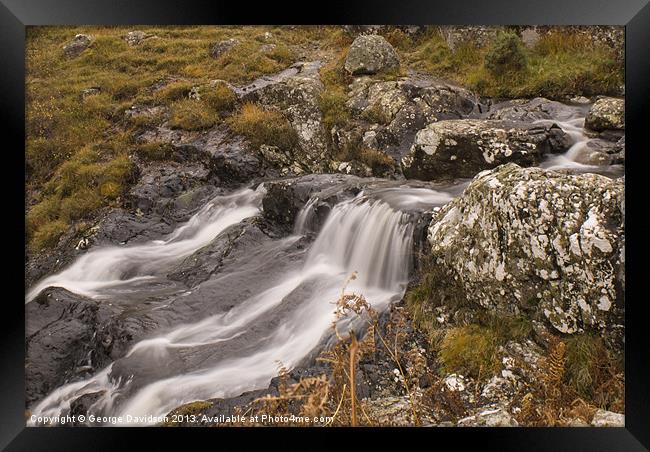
[
  {"x": 535, "y": 241},
  {"x": 371, "y": 54},
  {"x": 296, "y": 93},
  {"x": 606, "y": 113},
  {"x": 530, "y": 110},
  {"x": 490, "y": 416},
  {"x": 603, "y": 418},
  {"x": 136, "y": 37},
  {"x": 450, "y": 149},
  {"x": 222, "y": 47},
  {"x": 76, "y": 46}
]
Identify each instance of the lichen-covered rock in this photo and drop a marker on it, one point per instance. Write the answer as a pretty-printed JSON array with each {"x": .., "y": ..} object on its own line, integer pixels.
[
  {"x": 606, "y": 113},
  {"x": 371, "y": 54},
  {"x": 462, "y": 148},
  {"x": 604, "y": 418},
  {"x": 222, "y": 47},
  {"x": 75, "y": 47},
  {"x": 541, "y": 242},
  {"x": 296, "y": 92},
  {"x": 388, "y": 114},
  {"x": 490, "y": 416},
  {"x": 136, "y": 37}
]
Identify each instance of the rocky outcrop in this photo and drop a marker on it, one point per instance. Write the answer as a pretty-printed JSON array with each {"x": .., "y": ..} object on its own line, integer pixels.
[
  {"x": 535, "y": 241},
  {"x": 449, "y": 149},
  {"x": 296, "y": 92},
  {"x": 371, "y": 54},
  {"x": 75, "y": 47},
  {"x": 388, "y": 114},
  {"x": 606, "y": 113}
]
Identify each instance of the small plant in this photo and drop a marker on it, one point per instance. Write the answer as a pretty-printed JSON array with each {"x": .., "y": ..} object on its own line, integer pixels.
[
  {"x": 263, "y": 127},
  {"x": 333, "y": 106},
  {"x": 506, "y": 55}
]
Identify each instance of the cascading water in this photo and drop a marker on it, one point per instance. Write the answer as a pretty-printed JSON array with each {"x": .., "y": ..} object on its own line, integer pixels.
[
  {"x": 101, "y": 270},
  {"x": 231, "y": 352}
]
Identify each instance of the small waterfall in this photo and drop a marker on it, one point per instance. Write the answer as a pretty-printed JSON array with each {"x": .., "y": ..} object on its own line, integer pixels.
[
  {"x": 102, "y": 269},
  {"x": 370, "y": 234}
]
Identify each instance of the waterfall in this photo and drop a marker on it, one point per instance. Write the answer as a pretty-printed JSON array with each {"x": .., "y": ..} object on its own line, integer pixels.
[
  {"x": 102, "y": 269},
  {"x": 241, "y": 349}
]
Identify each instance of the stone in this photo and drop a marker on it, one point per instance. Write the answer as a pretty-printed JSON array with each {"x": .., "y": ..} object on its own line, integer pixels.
[
  {"x": 75, "y": 47},
  {"x": 535, "y": 109},
  {"x": 607, "y": 113},
  {"x": 543, "y": 242},
  {"x": 371, "y": 54},
  {"x": 296, "y": 92},
  {"x": 490, "y": 416},
  {"x": 462, "y": 148},
  {"x": 136, "y": 37},
  {"x": 222, "y": 47},
  {"x": 603, "y": 418}
]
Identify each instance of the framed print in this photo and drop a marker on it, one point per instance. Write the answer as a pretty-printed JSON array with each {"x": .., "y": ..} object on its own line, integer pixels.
[{"x": 267, "y": 218}]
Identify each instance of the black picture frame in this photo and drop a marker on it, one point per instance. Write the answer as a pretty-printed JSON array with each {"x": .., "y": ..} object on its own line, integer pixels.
[{"x": 15, "y": 15}]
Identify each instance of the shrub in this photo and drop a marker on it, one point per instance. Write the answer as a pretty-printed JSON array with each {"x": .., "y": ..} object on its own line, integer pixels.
[
  {"x": 263, "y": 127},
  {"x": 507, "y": 54},
  {"x": 191, "y": 114},
  {"x": 174, "y": 91},
  {"x": 48, "y": 235},
  {"x": 377, "y": 160}
]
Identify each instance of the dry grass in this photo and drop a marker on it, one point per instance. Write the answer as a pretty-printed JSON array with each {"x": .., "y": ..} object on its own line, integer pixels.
[{"x": 262, "y": 126}]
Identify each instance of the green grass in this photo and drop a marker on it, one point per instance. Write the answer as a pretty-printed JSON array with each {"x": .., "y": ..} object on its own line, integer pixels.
[{"x": 190, "y": 114}]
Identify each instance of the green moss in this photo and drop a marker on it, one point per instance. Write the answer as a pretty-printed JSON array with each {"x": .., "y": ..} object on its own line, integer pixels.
[
  {"x": 263, "y": 127},
  {"x": 48, "y": 234}
]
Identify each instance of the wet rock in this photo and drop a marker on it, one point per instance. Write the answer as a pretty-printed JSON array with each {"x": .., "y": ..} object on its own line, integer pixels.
[
  {"x": 606, "y": 113},
  {"x": 296, "y": 92},
  {"x": 535, "y": 241},
  {"x": 222, "y": 47},
  {"x": 601, "y": 152},
  {"x": 81, "y": 405},
  {"x": 604, "y": 418},
  {"x": 285, "y": 198},
  {"x": 530, "y": 110},
  {"x": 449, "y": 149},
  {"x": 371, "y": 54},
  {"x": 61, "y": 346},
  {"x": 75, "y": 47}
]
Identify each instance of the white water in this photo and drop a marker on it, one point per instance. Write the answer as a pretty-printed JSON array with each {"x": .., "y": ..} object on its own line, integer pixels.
[
  {"x": 369, "y": 234},
  {"x": 102, "y": 269}
]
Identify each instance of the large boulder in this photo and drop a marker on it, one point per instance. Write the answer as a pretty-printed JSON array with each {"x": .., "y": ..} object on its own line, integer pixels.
[
  {"x": 527, "y": 110},
  {"x": 371, "y": 54},
  {"x": 540, "y": 242},
  {"x": 296, "y": 92},
  {"x": 388, "y": 114},
  {"x": 462, "y": 148},
  {"x": 606, "y": 113}
]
